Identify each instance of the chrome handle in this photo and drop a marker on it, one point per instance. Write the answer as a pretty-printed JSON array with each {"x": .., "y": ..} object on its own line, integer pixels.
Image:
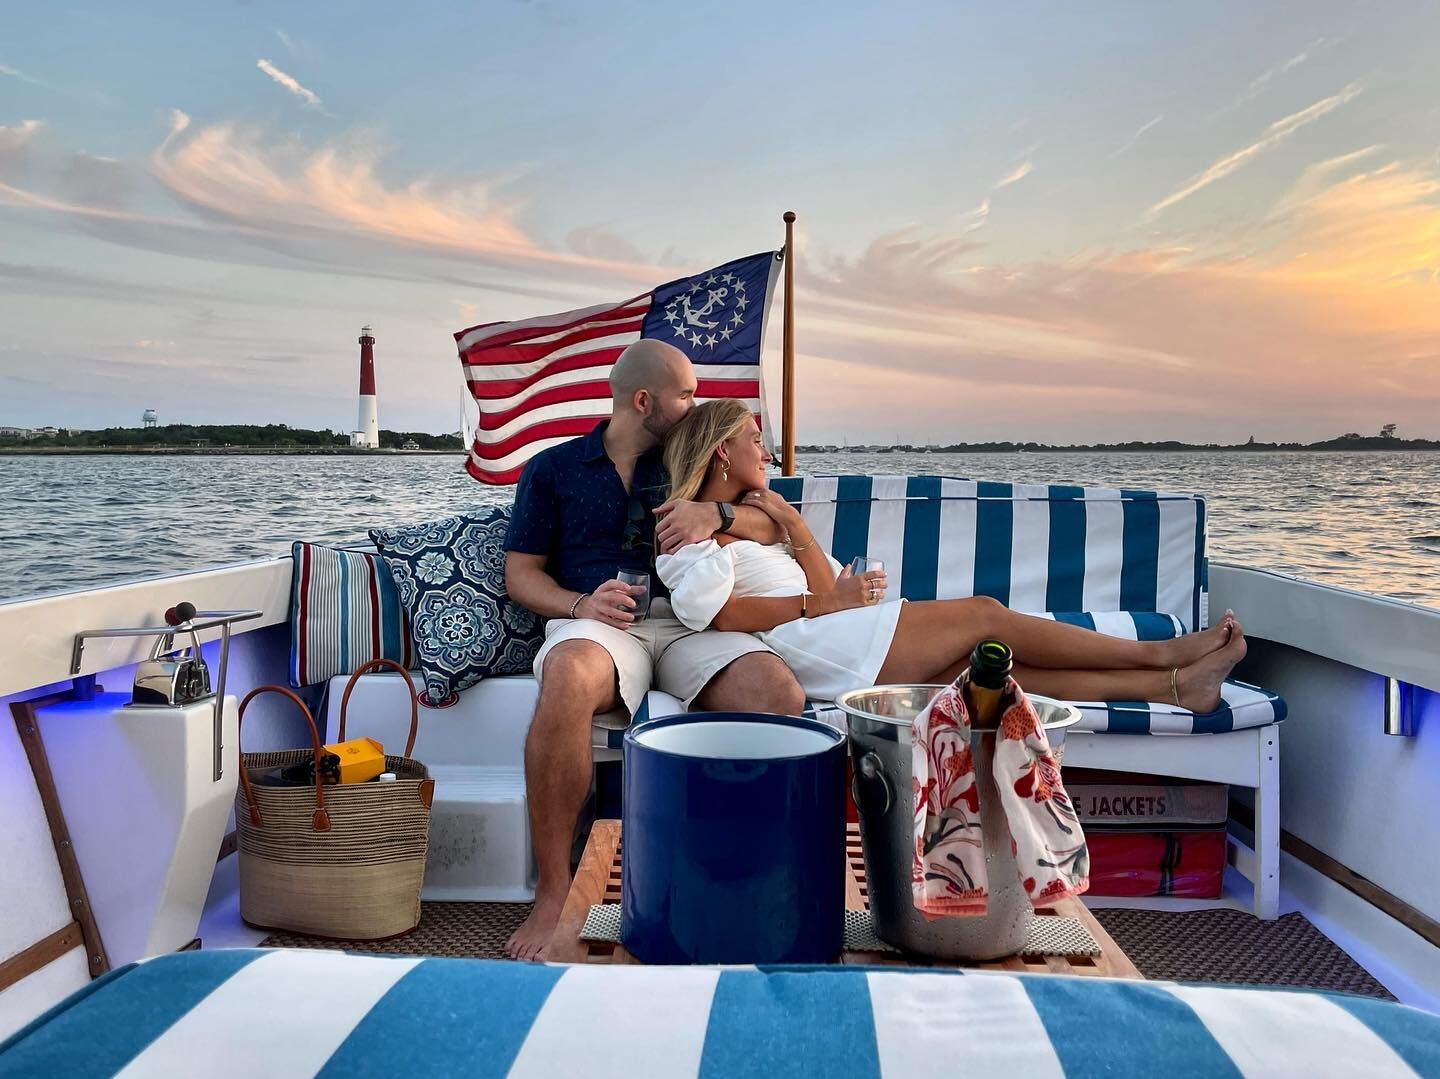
[
  {"x": 869, "y": 768},
  {"x": 201, "y": 620}
]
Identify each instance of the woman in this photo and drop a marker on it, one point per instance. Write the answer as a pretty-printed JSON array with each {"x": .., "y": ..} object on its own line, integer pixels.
[{"x": 837, "y": 631}]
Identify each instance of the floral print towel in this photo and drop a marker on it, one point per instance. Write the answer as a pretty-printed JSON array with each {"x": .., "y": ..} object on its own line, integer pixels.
[{"x": 949, "y": 868}]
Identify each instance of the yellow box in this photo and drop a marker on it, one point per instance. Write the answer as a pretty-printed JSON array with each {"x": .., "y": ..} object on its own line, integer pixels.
[{"x": 360, "y": 759}]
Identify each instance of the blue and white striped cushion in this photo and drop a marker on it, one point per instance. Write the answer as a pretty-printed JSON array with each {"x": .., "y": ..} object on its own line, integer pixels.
[
  {"x": 1032, "y": 547},
  {"x": 1125, "y": 562},
  {"x": 1131, "y": 625},
  {"x": 284, "y": 1014},
  {"x": 1241, "y": 706},
  {"x": 344, "y": 612}
]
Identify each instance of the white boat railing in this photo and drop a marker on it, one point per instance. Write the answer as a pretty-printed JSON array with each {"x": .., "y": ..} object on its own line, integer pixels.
[
  {"x": 1388, "y": 637},
  {"x": 40, "y": 631}
]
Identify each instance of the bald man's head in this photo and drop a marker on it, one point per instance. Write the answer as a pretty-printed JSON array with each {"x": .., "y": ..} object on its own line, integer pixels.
[{"x": 653, "y": 382}]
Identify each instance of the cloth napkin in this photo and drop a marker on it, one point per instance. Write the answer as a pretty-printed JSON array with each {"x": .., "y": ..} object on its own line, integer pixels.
[{"x": 948, "y": 875}]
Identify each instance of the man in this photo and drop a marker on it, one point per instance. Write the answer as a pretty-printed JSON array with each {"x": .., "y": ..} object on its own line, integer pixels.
[{"x": 584, "y": 510}]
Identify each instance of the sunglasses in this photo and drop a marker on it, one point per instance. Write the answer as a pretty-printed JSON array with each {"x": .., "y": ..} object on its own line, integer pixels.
[{"x": 636, "y": 534}]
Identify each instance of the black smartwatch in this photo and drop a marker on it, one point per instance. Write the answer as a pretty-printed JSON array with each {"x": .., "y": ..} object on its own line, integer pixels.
[{"x": 727, "y": 515}]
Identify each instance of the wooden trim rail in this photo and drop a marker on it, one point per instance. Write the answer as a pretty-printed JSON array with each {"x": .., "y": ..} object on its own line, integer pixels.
[
  {"x": 40, "y": 954},
  {"x": 1411, "y": 917},
  {"x": 27, "y": 724}
]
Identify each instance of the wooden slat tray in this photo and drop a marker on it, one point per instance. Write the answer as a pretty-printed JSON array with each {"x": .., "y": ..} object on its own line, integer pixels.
[{"x": 598, "y": 881}]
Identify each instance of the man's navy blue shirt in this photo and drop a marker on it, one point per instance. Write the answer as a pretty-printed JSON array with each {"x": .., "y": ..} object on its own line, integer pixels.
[{"x": 572, "y": 508}]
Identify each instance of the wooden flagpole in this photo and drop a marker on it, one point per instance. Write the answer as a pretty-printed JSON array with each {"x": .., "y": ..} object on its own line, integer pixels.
[{"x": 787, "y": 396}]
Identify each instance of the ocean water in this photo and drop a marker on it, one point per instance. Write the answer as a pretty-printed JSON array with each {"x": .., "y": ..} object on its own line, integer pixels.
[{"x": 1369, "y": 521}]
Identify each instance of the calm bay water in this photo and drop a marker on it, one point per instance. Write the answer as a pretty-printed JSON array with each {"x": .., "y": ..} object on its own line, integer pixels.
[{"x": 1364, "y": 520}]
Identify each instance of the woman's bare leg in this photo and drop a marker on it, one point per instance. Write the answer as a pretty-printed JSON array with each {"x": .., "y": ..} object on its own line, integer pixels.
[
  {"x": 937, "y": 635},
  {"x": 1198, "y": 684},
  {"x": 1095, "y": 685}
]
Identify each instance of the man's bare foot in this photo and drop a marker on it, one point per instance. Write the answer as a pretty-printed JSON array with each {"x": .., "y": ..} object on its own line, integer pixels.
[
  {"x": 1188, "y": 649},
  {"x": 1199, "y": 683},
  {"x": 529, "y": 941}
]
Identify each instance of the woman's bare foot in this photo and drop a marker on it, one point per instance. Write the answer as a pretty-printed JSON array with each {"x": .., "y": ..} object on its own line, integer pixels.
[
  {"x": 529, "y": 941},
  {"x": 1199, "y": 683},
  {"x": 1183, "y": 651}
]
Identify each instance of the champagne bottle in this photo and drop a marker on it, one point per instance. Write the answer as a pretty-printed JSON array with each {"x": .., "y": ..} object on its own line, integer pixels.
[{"x": 990, "y": 666}]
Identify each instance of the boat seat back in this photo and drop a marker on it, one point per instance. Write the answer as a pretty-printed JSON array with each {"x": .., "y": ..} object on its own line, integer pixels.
[
  {"x": 1037, "y": 548},
  {"x": 1127, "y": 562}
]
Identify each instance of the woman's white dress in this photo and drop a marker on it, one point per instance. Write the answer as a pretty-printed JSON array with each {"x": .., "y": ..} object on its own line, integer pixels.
[{"x": 829, "y": 654}]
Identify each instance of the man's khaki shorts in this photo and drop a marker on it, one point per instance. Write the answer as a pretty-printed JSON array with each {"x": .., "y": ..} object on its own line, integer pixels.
[{"x": 660, "y": 651}]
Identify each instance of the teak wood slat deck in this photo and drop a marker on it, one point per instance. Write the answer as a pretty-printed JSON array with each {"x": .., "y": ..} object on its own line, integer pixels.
[{"x": 598, "y": 881}]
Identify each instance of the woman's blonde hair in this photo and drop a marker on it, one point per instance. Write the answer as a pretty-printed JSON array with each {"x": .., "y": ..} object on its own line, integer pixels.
[{"x": 692, "y": 442}]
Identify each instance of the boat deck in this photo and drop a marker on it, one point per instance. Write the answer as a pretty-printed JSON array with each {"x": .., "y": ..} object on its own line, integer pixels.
[{"x": 1218, "y": 945}]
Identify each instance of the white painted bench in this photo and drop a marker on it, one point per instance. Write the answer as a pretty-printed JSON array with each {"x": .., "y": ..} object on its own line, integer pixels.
[{"x": 475, "y": 749}]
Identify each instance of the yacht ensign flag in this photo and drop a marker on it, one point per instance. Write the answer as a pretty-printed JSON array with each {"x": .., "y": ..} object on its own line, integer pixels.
[{"x": 543, "y": 380}]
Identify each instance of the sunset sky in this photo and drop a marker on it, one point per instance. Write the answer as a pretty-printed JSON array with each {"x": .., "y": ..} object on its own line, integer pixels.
[{"x": 1065, "y": 223}]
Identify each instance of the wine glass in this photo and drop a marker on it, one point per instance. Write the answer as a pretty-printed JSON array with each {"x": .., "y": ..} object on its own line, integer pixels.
[
  {"x": 642, "y": 601},
  {"x": 864, "y": 564}
]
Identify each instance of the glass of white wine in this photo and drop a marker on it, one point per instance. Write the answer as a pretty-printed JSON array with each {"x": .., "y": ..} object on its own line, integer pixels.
[{"x": 864, "y": 564}]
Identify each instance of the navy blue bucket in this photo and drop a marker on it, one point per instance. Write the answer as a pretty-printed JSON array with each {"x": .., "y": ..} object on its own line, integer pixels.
[{"x": 734, "y": 840}]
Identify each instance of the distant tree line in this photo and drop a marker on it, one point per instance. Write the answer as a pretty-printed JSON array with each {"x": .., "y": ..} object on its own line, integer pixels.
[
  {"x": 1385, "y": 440},
  {"x": 395, "y": 440},
  {"x": 251, "y": 436}
]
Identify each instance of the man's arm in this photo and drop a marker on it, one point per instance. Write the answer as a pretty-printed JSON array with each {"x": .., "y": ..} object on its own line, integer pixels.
[
  {"x": 535, "y": 530},
  {"x": 530, "y": 586},
  {"x": 684, "y": 522}
]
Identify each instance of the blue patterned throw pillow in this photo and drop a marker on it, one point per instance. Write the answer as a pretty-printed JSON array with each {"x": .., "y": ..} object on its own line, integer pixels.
[{"x": 451, "y": 578}]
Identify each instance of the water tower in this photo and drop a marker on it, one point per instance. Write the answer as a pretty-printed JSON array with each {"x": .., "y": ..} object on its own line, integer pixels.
[{"x": 149, "y": 418}]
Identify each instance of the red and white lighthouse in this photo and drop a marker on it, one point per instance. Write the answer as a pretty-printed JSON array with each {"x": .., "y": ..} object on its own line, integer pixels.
[{"x": 367, "y": 433}]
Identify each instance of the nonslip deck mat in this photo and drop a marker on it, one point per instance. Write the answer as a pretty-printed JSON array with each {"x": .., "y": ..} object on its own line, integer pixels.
[
  {"x": 1212, "y": 945},
  {"x": 458, "y": 930},
  {"x": 1047, "y": 936},
  {"x": 1234, "y": 946}
]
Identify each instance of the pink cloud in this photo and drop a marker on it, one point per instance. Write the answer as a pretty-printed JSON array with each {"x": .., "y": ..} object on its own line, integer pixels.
[{"x": 1319, "y": 314}]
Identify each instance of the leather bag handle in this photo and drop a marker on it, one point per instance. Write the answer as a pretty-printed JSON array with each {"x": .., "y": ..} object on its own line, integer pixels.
[
  {"x": 322, "y": 817},
  {"x": 414, "y": 698}
]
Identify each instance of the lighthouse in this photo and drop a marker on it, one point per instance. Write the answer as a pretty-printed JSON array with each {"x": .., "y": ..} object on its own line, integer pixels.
[{"x": 367, "y": 433}]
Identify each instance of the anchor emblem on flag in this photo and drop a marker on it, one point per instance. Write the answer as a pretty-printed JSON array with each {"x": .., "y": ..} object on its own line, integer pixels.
[{"x": 710, "y": 311}]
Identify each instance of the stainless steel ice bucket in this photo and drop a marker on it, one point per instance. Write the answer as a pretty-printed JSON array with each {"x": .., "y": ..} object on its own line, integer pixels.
[{"x": 879, "y": 723}]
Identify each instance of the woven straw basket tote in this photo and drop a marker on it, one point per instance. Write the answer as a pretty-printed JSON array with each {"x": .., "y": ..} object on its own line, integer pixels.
[{"x": 344, "y": 861}]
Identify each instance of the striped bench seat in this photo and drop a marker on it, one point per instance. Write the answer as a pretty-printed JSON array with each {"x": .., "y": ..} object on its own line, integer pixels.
[
  {"x": 1129, "y": 563},
  {"x": 292, "y": 1013}
]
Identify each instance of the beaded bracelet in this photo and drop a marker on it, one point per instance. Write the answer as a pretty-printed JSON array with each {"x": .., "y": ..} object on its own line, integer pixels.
[{"x": 575, "y": 606}]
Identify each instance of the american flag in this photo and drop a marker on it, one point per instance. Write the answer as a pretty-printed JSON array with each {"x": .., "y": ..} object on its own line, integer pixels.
[{"x": 542, "y": 380}]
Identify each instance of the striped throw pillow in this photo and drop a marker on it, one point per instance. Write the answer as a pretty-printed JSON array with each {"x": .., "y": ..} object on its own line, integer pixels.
[{"x": 344, "y": 612}]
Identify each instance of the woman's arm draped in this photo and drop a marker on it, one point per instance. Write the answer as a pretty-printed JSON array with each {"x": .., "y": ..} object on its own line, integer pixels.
[
  {"x": 755, "y": 614},
  {"x": 820, "y": 571},
  {"x": 700, "y": 577}
]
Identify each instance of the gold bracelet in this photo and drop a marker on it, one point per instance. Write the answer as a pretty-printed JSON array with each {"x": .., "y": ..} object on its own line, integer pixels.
[
  {"x": 804, "y": 601},
  {"x": 803, "y": 546}
]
